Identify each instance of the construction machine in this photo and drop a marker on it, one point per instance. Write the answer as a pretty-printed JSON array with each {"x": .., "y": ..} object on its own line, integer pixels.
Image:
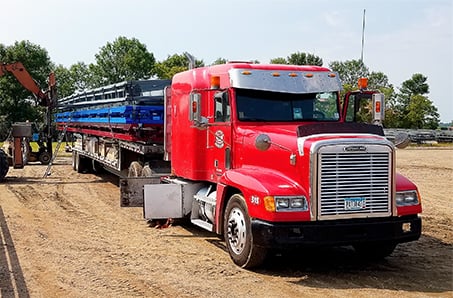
[{"x": 17, "y": 151}]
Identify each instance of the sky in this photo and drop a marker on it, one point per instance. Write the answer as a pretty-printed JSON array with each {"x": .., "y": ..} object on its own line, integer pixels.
[{"x": 402, "y": 37}]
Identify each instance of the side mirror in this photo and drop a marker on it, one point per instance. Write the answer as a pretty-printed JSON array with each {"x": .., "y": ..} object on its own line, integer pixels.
[
  {"x": 378, "y": 108},
  {"x": 402, "y": 140}
]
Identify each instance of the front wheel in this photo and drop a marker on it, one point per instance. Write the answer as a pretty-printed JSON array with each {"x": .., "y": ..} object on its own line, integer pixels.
[{"x": 238, "y": 235}]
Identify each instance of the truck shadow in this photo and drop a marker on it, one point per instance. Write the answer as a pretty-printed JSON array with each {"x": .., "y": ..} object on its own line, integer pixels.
[
  {"x": 12, "y": 282},
  {"x": 422, "y": 266}
]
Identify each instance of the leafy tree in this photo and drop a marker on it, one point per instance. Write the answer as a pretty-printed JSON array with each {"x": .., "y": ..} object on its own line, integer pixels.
[
  {"x": 421, "y": 113},
  {"x": 299, "y": 58},
  {"x": 16, "y": 103},
  {"x": 174, "y": 64},
  {"x": 220, "y": 61},
  {"x": 279, "y": 60},
  {"x": 414, "y": 108},
  {"x": 65, "y": 84},
  {"x": 123, "y": 59},
  {"x": 416, "y": 85},
  {"x": 83, "y": 76},
  {"x": 350, "y": 71}
]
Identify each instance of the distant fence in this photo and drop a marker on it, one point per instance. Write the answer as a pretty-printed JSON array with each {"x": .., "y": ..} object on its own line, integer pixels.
[{"x": 421, "y": 136}]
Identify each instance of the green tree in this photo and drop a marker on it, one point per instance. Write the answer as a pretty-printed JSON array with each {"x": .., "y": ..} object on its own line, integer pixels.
[
  {"x": 174, "y": 64},
  {"x": 299, "y": 58},
  {"x": 83, "y": 76},
  {"x": 17, "y": 103},
  {"x": 65, "y": 84},
  {"x": 350, "y": 71},
  {"x": 124, "y": 59},
  {"x": 279, "y": 60},
  {"x": 414, "y": 107},
  {"x": 220, "y": 61},
  {"x": 421, "y": 113}
]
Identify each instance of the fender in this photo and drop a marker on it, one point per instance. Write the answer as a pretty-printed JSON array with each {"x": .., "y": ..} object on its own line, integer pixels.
[
  {"x": 403, "y": 183},
  {"x": 258, "y": 182}
]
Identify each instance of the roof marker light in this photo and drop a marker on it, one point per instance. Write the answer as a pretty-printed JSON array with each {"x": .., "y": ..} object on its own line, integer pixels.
[
  {"x": 363, "y": 83},
  {"x": 308, "y": 75},
  {"x": 246, "y": 72},
  {"x": 275, "y": 74},
  {"x": 332, "y": 75},
  {"x": 215, "y": 82},
  {"x": 292, "y": 74}
]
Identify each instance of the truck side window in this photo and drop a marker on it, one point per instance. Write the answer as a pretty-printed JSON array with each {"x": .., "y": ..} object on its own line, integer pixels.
[
  {"x": 359, "y": 109},
  {"x": 222, "y": 109}
]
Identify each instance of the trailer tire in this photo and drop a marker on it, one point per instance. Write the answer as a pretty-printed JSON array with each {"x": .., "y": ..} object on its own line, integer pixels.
[
  {"x": 135, "y": 169},
  {"x": 4, "y": 166},
  {"x": 238, "y": 235},
  {"x": 147, "y": 171}
]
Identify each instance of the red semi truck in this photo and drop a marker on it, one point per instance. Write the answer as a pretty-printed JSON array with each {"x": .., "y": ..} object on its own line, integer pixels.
[{"x": 269, "y": 156}]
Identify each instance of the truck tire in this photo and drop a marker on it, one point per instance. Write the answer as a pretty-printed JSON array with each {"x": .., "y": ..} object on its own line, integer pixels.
[
  {"x": 374, "y": 251},
  {"x": 238, "y": 235},
  {"x": 4, "y": 167}
]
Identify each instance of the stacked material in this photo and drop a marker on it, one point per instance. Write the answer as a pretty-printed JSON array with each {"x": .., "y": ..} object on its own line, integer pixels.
[{"x": 130, "y": 109}]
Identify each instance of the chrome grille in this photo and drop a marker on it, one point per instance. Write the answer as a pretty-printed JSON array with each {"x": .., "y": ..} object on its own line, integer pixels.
[{"x": 362, "y": 177}]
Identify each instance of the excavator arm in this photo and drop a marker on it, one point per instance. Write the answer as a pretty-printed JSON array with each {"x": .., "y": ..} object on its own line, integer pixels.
[{"x": 23, "y": 76}]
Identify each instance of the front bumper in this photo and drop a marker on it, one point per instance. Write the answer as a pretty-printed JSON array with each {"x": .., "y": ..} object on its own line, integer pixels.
[{"x": 336, "y": 232}]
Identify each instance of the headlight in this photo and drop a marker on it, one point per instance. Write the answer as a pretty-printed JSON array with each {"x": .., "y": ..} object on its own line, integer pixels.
[
  {"x": 407, "y": 198},
  {"x": 291, "y": 203}
]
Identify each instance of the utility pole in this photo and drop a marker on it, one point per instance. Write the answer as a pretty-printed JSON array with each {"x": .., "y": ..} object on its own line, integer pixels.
[{"x": 363, "y": 35}]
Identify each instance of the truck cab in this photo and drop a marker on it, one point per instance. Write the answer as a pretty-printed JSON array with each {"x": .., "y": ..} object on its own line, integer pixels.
[{"x": 270, "y": 156}]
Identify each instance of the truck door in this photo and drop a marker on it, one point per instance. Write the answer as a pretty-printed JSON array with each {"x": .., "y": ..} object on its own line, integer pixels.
[{"x": 219, "y": 135}]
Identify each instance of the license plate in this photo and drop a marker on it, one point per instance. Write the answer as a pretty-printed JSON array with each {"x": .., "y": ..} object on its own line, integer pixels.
[{"x": 354, "y": 203}]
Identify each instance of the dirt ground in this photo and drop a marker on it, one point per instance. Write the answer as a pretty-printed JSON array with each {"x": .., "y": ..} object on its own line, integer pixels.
[{"x": 66, "y": 236}]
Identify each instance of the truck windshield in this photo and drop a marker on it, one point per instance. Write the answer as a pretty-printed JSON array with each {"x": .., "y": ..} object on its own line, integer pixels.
[{"x": 256, "y": 105}]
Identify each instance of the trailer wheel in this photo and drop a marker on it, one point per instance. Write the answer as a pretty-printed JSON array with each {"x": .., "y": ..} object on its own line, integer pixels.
[
  {"x": 147, "y": 171},
  {"x": 135, "y": 169},
  {"x": 238, "y": 235},
  {"x": 4, "y": 167},
  {"x": 375, "y": 250}
]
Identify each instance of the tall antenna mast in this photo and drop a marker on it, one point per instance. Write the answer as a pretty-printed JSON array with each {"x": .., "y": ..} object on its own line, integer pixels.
[{"x": 363, "y": 35}]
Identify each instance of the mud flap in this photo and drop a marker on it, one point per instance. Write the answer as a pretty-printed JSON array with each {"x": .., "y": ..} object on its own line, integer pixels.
[{"x": 131, "y": 190}]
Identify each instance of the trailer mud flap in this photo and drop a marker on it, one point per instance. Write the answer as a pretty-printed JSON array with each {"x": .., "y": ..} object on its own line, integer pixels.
[{"x": 131, "y": 190}]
